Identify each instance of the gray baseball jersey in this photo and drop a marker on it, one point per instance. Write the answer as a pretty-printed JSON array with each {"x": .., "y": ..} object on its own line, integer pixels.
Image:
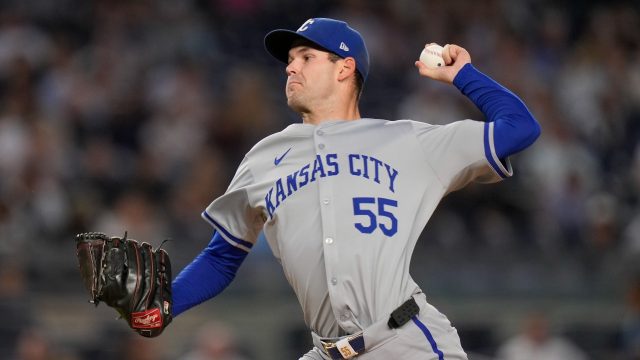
[{"x": 342, "y": 205}]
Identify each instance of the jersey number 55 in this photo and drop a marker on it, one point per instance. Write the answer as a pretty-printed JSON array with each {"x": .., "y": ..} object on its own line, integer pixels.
[{"x": 377, "y": 213}]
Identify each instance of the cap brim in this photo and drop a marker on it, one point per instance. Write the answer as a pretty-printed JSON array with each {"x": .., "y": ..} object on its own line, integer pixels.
[{"x": 278, "y": 43}]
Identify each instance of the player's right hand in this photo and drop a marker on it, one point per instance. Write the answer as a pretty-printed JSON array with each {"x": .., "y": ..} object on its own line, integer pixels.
[{"x": 455, "y": 57}]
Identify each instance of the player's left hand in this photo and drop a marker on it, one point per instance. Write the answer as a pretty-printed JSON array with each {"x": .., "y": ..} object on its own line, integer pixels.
[
  {"x": 130, "y": 277},
  {"x": 455, "y": 57}
]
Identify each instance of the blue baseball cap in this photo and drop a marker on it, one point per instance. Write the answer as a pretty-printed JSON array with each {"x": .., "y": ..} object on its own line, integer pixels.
[{"x": 332, "y": 35}]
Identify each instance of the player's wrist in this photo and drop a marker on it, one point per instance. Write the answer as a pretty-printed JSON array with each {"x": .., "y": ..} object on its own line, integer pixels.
[{"x": 466, "y": 74}]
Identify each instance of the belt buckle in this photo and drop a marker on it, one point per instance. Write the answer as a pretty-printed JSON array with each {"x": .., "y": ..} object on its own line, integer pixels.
[
  {"x": 346, "y": 352},
  {"x": 327, "y": 345}
]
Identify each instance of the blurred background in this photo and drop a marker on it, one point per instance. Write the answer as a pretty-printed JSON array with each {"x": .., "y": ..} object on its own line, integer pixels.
[{"x": 133, "y": 115}]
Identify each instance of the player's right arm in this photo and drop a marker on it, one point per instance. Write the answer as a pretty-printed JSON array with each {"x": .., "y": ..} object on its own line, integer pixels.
[
  {"x": 509, "y": 126},
  {"x": 514, "y": 128}
]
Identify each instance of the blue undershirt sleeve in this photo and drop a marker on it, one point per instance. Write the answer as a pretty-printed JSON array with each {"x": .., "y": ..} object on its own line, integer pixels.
[
  {"x": 207, "y": 275},
  {"x": 514, "y": 126}
]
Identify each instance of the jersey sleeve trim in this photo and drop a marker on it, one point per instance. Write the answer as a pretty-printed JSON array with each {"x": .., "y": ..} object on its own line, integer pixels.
[
  {"x": 237, "y": 242},
  {"x": 490, "y": 153}
]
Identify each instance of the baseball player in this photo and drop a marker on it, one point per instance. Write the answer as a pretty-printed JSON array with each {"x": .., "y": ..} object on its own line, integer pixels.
[{"x": 342, "y": 200}]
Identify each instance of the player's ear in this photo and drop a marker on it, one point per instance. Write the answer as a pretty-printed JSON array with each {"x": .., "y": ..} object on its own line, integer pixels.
[{"x": 348, "y": 67}]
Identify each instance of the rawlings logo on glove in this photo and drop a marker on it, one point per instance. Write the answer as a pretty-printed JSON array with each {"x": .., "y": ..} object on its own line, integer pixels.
[
  {"x": 132, "y": 278},
  {"x": 146, "y": 319}
]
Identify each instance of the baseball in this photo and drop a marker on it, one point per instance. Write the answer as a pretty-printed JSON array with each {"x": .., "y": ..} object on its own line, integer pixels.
[{"x": 432, "y": 56}]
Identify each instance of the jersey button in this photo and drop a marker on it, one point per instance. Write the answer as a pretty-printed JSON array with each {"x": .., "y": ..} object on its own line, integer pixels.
[
  {"x": 344, "y": 317},
  {"x": 320, "y": 132},
  {"x": 321, "y": 146},
  {"x": 328, "y": 241},
  {"x": 334, "y": 281},
  {"x": 325, "y": 201}
]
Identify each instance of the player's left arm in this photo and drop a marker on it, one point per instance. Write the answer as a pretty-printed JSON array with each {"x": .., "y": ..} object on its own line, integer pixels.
[
  {"x": 207, "y": 275},
  {"x": 515, "y": 128}
]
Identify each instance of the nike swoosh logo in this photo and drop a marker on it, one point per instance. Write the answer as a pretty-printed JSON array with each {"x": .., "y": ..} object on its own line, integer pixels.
[{"x": 277, "y": 160}]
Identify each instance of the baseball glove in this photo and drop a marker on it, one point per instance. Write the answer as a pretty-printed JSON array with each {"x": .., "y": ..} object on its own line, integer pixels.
[{"x": 132, "y": 278}]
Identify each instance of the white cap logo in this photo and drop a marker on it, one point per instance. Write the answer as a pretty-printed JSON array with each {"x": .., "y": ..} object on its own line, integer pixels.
[
  {"x": 344, "y": 47},
  {"x": 306, "y": 24}
]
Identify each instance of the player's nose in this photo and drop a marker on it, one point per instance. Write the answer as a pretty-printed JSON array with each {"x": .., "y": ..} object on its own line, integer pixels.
[{"x": 291, "y": 68}]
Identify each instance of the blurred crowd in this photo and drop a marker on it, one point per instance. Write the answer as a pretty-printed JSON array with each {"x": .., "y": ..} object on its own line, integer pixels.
[{"x": 133, "y": 115}]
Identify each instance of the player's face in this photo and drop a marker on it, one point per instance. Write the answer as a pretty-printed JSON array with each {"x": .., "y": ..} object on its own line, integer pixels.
[{"x": 311, "y": 78}]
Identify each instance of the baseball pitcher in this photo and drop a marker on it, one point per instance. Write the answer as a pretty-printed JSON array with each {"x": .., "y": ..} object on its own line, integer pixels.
[{"x": 342, "y": 199}]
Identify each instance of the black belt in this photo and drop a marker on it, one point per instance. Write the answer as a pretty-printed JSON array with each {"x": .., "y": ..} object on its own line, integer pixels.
[{"x": 353, "y": 345}]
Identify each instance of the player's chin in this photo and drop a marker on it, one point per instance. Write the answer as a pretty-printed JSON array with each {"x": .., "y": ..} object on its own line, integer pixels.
[{"x": 295, "y": 104}]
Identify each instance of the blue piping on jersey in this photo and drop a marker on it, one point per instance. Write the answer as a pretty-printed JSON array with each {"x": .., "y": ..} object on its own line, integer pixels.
[
  {"x": 429, "y": 337},
  {"x": 225, "y": 232},
  {"x": 488, "y": 154}
]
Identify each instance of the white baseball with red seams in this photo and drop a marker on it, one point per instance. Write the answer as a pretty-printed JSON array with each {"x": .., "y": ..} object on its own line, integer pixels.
[{"x": 431, "y": 56}]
